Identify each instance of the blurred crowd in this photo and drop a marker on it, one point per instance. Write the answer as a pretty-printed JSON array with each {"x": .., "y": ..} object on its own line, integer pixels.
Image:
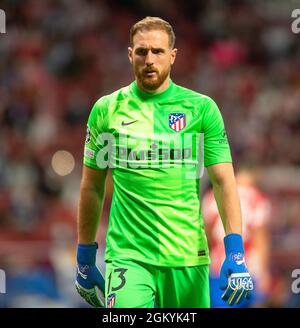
[{"x": 59, "y": 56}]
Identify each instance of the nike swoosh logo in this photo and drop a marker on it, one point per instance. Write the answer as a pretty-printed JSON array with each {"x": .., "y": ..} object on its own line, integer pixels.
[
  {"x": 128, "y": 123},
  {"x": 240, "y": 262},
  {"x": 83, "y": 276}
]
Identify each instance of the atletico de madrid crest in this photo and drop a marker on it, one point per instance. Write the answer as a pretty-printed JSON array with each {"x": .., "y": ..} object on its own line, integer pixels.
[
  {"x": 177, "y": 121},
  {"x": 111, "y": 299}
]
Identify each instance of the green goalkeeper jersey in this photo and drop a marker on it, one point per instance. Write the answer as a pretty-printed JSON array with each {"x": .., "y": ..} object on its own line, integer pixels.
[{"x": 156, "y": 146}]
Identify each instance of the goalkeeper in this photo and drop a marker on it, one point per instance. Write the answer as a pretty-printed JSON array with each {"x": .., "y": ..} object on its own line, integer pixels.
[{"x": 156, "y": 248}]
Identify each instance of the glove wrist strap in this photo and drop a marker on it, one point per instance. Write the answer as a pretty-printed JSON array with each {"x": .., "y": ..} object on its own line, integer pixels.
[
  {"x": 86, "y": 253},
  {"x": 233, "y": 243}
]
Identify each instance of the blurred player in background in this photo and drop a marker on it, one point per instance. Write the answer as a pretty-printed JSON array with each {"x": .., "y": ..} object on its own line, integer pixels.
[
  {"x": 256, "y": 211},
  {"x": 156, "y": 247}
]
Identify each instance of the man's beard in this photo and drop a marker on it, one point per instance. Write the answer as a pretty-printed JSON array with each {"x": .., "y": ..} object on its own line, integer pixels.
[{"x": 151, "y": 83}]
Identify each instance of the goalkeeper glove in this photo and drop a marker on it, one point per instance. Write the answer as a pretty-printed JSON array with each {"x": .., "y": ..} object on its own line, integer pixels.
[
  {"x": 235, "y": 279},
  {"x": 88, "y": 276}
]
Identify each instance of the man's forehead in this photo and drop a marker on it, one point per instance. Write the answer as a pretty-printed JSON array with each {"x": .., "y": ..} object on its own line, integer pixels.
[{"x": 152, "y": 38}]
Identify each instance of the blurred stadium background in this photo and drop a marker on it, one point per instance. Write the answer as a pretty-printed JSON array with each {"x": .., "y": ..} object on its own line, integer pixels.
[{"x": 58, "y": 56}]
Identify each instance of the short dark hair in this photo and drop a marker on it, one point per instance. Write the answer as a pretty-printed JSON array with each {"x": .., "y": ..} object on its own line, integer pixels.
[{"x": 153, "y": 23}]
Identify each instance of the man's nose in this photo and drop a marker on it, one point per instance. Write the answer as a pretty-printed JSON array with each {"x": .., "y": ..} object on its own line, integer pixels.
[{"x": 149, "y": 60}]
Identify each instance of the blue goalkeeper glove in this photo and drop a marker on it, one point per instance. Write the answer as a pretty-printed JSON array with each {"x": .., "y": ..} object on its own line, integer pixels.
[
  {"x": 88, "y": 276},
  {"x": 235, "y": 279}
]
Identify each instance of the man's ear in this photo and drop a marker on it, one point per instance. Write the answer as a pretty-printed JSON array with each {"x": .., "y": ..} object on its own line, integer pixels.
[
  {"x": 130, "y": 54},
  {"x": 173, "y": 55}
]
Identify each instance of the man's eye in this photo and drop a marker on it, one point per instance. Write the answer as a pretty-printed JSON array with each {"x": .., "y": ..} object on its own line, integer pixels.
[
  {"x": 156, "y": 51},
  {"x": 141, "y": 52}
]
